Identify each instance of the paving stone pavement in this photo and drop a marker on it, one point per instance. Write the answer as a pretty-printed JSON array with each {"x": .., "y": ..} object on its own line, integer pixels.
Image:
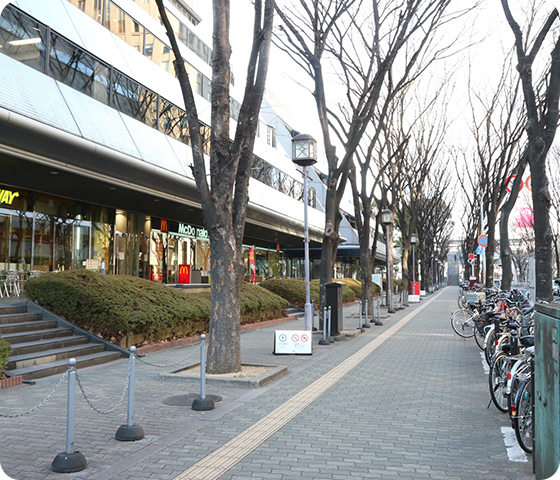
[{"x": 414, "y": 408}]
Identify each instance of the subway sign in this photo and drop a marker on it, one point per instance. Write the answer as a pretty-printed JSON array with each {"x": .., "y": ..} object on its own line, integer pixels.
[{"x": 7, "y": 196}]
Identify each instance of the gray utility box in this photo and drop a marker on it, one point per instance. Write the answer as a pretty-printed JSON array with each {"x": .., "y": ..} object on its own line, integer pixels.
[
  {"x": 546, "y": 397},
  {"x": 334, "y": 300}
]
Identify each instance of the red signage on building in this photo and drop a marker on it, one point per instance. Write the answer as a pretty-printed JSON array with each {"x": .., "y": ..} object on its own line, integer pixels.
[
  {"x": 184, "y": 274},
  {"x": 164, "y": 228},
  {"x": 252, "y": 264}
]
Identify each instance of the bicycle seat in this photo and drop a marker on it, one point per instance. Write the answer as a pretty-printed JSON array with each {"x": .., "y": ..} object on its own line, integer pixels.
[{"x": 528, "y": 341}]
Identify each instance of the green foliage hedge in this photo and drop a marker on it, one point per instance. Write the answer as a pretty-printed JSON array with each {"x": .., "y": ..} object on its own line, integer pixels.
[
  {"x": 5, "y": 350},
  {"x": 114, "y": 306},
  {"x": 293, "y": 290}
]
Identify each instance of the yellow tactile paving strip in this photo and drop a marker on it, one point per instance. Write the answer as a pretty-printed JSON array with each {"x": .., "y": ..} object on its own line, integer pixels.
[{"x": 227, "y": 456}]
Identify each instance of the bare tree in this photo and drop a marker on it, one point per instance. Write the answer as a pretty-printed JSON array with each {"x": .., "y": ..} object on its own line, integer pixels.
[
  {"x": 363, "y": 42},
  {"x": 542, "y": 122},
  {"x": 554, "y": 172},
  {"x": 497, "y": 128},
  {"x": 224, "y": 188}
]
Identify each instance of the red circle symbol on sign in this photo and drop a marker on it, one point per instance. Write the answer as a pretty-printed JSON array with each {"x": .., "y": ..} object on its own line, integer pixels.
[
  {"x": 304, "y": 338},
  {"x": 483, "y": 240},
  {"x": 295, "y": 338},
  {"x": 509, "y": 184}
]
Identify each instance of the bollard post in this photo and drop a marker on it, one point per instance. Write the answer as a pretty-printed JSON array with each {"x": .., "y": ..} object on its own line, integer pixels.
[
  {"x": 366, "y": 324},
  {"x": 324, "y": 340},
  {"x": 203, "y": 403},
  {"x": 130, "y": 432},
  {"x": 313, "y": 327},
  {"x": 376, "y": 309},
  {"x": 330, "y": 338},
  {"x": 70, "y": 461},
  {"x": 360, "y": 317}
]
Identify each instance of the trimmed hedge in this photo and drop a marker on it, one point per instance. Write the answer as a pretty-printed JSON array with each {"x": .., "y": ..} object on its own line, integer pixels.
[
  {"x": 293, "y": 290},
  {"x": 5, "y": 350},
  {"x": 115, "y": 306}
]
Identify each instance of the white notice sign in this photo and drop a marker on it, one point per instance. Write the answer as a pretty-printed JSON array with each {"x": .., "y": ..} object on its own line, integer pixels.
[{"x": 289, "y": 342}]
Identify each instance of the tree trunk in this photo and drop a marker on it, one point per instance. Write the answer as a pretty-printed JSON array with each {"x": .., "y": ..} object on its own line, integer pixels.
[
  {"x": 543, "y": 233},
  {"x": 505, "y": 249},
  {"x": 224, "y": 349},
  {"x": 491, "y": 248}
]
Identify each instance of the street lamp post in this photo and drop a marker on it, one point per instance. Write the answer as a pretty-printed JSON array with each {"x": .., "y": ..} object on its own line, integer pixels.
[
  {"x": 413, "y": 240},
  {"x": 387, "y": 222},
  {"x": 304, "y": 154}
]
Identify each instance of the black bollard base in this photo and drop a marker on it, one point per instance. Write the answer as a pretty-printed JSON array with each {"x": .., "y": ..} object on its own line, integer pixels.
[
  {"x": 69, "y": 462},
  {"x": 366, "y": 325},
  {"x": 129, "y": 434},
  {"x": 378, "y": 323},
  {"x": 324, "y": 341},
  {"x": 203, "y": 404}
]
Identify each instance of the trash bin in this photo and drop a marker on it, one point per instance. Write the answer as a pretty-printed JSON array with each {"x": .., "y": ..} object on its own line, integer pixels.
[{"x": 334, "y": 300}]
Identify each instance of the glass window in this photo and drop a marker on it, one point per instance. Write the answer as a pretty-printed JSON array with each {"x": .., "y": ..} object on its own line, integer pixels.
[
  {"x": 202, "y": 255},
  {"x": 125, "y": 27},
  {"x": 131, "y": 98},
  {"x": 78, "y": 69},
  {"x": 93, "y": 8},
  {"x": 173, "y": 121},
  {"x": 4, "y": 241},
  {"x": 42, "y": 246},
  {"x": 23, "y": 38},
  {"x": 21, "y": 241},
  {"x": 205, "y": 133}
]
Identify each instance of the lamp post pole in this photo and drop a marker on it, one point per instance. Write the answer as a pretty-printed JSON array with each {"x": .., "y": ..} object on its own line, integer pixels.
[
  {"x": 304, "y": 154},
  {"x": 308, "y": 306},
  {"x": 413, "y": 240},
  {"x": 387, "y": 221}
]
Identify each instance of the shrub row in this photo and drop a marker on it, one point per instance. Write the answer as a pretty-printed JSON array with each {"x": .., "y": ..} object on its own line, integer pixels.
[
  {"x": 293, "y": 290},
  {"x": 115, "y": 306},
  {"x": 5, "y": 350}
]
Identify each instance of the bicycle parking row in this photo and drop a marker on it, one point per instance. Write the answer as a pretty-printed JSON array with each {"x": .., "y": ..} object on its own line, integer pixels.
[{"x": 502, "y": 324}]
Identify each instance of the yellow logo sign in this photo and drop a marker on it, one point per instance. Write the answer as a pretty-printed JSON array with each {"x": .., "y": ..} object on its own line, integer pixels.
[{"x": 7, "y": 196}]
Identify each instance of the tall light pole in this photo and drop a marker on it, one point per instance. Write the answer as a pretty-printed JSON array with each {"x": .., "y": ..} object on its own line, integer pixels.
[
  {"x": 413, "y": 240},
  {"x": 304, "y": 154},
  {"x": 387, "y": 222}
]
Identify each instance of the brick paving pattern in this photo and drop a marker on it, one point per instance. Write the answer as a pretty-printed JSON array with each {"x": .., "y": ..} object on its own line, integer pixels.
[{"x": 415, "y": 408}]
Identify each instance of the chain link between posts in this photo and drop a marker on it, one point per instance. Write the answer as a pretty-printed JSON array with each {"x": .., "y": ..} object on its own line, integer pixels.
[
  {"x": 47, "y": 398},
  {"x": 119, "y": 403},
  {"x": 102, "y": 412},
  {"x": 170, "y": 364}
]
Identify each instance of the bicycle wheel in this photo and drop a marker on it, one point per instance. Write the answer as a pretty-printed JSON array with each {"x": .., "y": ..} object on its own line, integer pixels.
[
  {"x": 497, "y": 381},
  {"x": 479, "y": 330},
  {"x": 462, "y": 323},
  {"x": 516, "y": 381},
  {"x": 490, "y": 347},
  {"x": 462, "y": 301},
  {"x": 523, "y": 419}
]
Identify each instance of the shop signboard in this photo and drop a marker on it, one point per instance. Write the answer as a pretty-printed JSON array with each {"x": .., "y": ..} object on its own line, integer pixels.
[{"x": 184, "y": 274}]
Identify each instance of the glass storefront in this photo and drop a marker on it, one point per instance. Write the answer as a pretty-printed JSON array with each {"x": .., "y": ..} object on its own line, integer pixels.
[{"x": 46, "y": 233}]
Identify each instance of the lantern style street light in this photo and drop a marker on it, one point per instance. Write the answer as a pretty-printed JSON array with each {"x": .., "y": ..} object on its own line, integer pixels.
[
  {"x": 387, "y": 221},
  {"x": 304, "y": 154}
]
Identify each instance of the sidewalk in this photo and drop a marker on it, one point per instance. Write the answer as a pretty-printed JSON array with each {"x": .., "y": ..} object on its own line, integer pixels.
[{"x": 404, "y": 400}]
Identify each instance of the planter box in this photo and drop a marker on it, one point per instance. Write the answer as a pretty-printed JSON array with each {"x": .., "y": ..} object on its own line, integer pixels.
[{"x": 11, "y": 381}]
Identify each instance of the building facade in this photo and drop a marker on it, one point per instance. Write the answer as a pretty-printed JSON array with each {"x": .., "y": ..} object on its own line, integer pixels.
[{"x": 95, "y": 153}]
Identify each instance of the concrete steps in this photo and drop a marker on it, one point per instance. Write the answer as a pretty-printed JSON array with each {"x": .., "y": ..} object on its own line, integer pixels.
[{"x": 42, "y": 348}]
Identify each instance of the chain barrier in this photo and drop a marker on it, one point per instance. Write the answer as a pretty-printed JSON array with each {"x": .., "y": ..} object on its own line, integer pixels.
[
  {"x": 105, "y": 412},
  {"x": 47, "y": 398},
  {"x": 171, "y": 364}
]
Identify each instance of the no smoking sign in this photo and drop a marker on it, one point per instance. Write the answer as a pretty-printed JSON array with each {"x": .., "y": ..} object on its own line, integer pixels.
[{"x": 292, "y": 342}]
